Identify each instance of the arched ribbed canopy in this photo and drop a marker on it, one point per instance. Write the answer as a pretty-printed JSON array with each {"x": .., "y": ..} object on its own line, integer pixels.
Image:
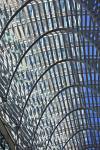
[{"x": 50, "y": 74}]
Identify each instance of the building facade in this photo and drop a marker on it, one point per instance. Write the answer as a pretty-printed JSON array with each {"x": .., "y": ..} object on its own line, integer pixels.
[{"x": 50, "y": 56}]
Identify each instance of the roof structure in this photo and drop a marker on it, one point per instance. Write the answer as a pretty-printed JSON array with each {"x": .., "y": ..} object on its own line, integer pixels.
[{"x": 50, "y": 74}]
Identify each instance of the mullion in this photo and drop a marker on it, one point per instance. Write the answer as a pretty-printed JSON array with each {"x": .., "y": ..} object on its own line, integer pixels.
[
  {"x": 74, "y": 43},
  {"x": 83, "y": 126},
  {"x": 87, "y": 136},
  {"x": 61, "y": 14},
  {"x": 69, "y": 117},
  {"x": 59, "y": 41},
  {"x": 93, "y": 111},
  {"x": 80, "y": 82},
  {"x": 38, "y": 33},
  {"x": 58, "y": 104},
  {"x": 36, "y": 20},
  {"x": 79, "y": 138},
  {"x": 56, "y": 78},
  {"x": 61, "y": 106},
  {"x": 93, "y": 137},
  {"x": 69, "y": 81},
  {"x": 25, "y": 133},
  {"x": 98, "y": 117},
  {"x": 68, "y": 128},
  {"x": 97, "y": 36},
  {"x": 72, "y": 128},
  {"x": 45, "y": 45},
  {"x": 59, "y": 68},
  {"x": 46, "y": 19},
  {"x": 40, "y": 18},
  {"x": 75, "y": 125},
  {"x": 77, "y": 15},
  {"x": 52, "y": 83},
  {"x": 84, "y": 48},
  {"x": 55, "y": 47},
  {"x": 80, "y": 54},
  {"x": 73, "y": 88},
  {"x": 60, "y": 130},
  {"x": 88, "y": 111},
  {"x": 56, "y": 66},
  {"x": 12, "y": 117},
  {"x": 84, "y": 97},
  {"x": 72, "y": 17},
  {"x": 76, "y": 101},
  {"x": 70, "y": 93},
  {"x": 65, "y": 42},
  {"x": 52, "y": 80},
  {"x": 97, "y": 85},
  {"x": 92, "y": 97},
  {"x": 42, "y": 52},
  {"x": 81, "y": 105},
  {"x": 83, "y": 138},
  {"x": 90, "y": 26},
  {"x": 56, "y": 14},
  {"x": 72, "y": 107},
  {"x": 71, "y": 146},
  {"x": 70, "y": 49},
  {"x": 82, "y": 10},
  {"x": 76, "y": 68},
  {"x": 63, "y": 71},
  {"x": 50, "y": 86},
  {"x": 57, "y": 59},
  {"x": 66, "y": 11},
  {"x": 51, "y": 49},
  {"x": 51, "y": 16},
  {"x": 57, "y": 143},
  {"x": 71, "y": 57}
]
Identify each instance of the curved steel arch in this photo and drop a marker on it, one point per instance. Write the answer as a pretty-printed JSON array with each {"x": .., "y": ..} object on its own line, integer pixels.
[
  {"x": 67, "y": 114},
  {"x": 41, "y": 36},
  {"x": 84, "y": 129},
  {"x": 58, "y": 62},
  {"x": 54, "y": 30},
  {"x": 85, "y": 147},
  {"x": 65, "y": 88},
  {"x": 12, "y": 17}
]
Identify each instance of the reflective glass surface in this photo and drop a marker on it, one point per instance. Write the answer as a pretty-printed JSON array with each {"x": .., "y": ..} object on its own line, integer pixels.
[{"x": 50, "y": 73}]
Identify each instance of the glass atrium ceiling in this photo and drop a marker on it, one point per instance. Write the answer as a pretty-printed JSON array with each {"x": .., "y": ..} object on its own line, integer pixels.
[{"x": 50, "y": 74}]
